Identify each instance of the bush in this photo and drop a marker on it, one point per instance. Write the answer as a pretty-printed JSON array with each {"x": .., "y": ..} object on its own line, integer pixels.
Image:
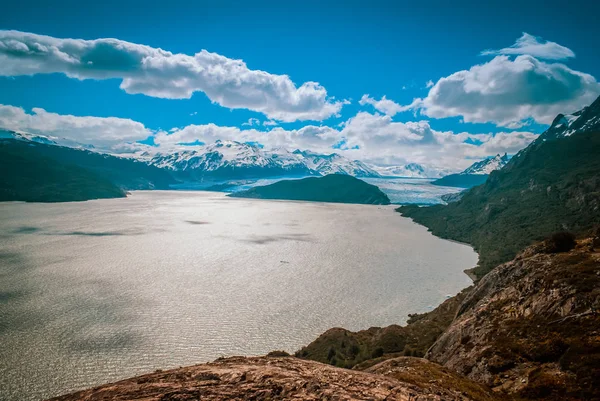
[
  {"x": 331, "y": 354},
  {"x": 275, "y": 354},
  {"x": 562, "y": 241},
  {"x": 377, "y": 352}
]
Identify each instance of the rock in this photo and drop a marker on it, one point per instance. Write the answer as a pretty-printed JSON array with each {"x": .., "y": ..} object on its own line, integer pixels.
[
  {"x": 270, "y": 378},
  {"x": 530, "y": 327}
]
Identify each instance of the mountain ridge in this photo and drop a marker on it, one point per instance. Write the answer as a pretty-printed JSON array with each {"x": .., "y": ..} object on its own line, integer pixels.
[
  {"x": 475, "y": 174},
  {"x": 552, "y": 185}
]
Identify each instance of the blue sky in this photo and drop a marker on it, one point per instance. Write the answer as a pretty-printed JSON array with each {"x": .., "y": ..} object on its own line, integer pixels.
[{"x": 376, "y": 48}]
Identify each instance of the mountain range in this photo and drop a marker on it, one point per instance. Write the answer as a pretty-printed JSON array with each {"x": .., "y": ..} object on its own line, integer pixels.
[
  {"x": 236, "y": 160},
  {"x": 476, "y": 174}
]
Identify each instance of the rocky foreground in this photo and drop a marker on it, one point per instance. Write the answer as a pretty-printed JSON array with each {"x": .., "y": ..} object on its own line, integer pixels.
[{"x": 284, "y": 378}]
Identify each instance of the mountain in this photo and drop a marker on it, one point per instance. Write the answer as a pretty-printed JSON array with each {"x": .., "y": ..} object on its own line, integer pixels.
[
  {"x": 47, "y": 140},
  {"x": 486, "y": 166},
  {"x": 474, "y": 175},
  {"x": 26, "y": 174},
  {"x": 335, "y": 164},
  {"x": 529, "y": 329},
  {"x": 336, "y": 188},
  {"x": 410, "y": 170},
  {"x": 234, "y": 160},
  {"x": 35, "y": 170},
  {"x": 552, "y": 185}
]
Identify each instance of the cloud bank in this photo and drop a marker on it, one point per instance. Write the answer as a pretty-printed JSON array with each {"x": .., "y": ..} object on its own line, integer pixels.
[
  {"x": 160, "y": 73},
  {"x": 371, "y": 137}
]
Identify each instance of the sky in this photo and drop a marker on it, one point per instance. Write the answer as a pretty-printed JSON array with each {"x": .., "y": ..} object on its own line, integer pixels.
[{"x": 386, "y": 82}]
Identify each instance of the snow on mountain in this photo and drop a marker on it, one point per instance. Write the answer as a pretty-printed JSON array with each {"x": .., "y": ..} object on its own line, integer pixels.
[
  {"x": 47, "y": 140},
  {"x": 234, "y": 159},
  {"x": 410, "y": 170},
  {"x": 584, "y": 120},
  {"x": 486, "y": 166},
  {"x": 335, "y": 164}
]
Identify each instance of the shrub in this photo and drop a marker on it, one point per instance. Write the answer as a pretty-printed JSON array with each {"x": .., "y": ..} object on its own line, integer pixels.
[
  {"x": 331, "y": 354},
  {"x": 275, "y": 354},
  {"x": 377, "y": 352},
  {"x": 562, "y": 241}
]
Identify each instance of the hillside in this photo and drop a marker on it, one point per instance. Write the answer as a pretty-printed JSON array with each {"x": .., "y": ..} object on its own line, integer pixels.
[
  {"x": 45, "y": 171},
  {"x": 474, "y": 175},
  {"x": 26, "y": 175},
  {"x": 336, "y": 188},
  {"x": 552, "y": 185},
  {"x": 530, "y": 327}
]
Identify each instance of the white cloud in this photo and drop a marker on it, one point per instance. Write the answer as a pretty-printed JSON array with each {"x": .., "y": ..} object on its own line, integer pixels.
[
  {"x": 373, "y": 138},
  {"x": 534, "y": 46},
  {"x": 384, "y": 105},
  {"x": 429, "y": 84},
  {"x": 251, "y": 122},
  {"x": 508, "y": 92},
  {"x": 269, "y": 123},
  {"x": 159, "y": 73},
  {"x": 98, "y": 131}
]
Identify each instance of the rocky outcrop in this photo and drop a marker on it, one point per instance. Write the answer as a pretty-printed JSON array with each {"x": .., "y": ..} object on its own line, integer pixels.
[
  {"x": 284, "y": 378},
  {"x": 362, "y": 349},
  {"x": 531, "y": 327}
]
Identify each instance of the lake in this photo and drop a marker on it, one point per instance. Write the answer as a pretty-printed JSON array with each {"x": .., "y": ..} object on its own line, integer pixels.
[{"x": 96, "y": 291}]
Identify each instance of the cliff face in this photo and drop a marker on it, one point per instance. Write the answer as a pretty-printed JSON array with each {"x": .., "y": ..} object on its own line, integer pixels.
[
  {"x": 531, "y": 327},
  {"x": 284, "y": 378}
]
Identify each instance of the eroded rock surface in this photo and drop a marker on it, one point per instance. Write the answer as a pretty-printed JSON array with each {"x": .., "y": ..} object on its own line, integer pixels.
[
  {"x": 285, "y": 378},
  {"x": 531, "y": 327}
]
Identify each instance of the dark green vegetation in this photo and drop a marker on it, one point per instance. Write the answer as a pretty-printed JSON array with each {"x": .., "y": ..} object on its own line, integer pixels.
[
  {"x": 551, "y": 186},
  {"x": 366, "y": 348},
  {"x": 330, "y": 188},
  {"x": 461, "y": 180},
  {"x": 36, "y": 172}
]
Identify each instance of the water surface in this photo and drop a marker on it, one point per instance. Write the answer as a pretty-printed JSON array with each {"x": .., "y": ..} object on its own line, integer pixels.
[{"x": 96, "y": 291}]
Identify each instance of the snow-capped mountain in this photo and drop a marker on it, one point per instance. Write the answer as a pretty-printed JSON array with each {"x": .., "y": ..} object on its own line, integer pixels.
[
  {"x": 564, "y": 125},
  {"x": 475, "y": 174},
  {"x": 410, "y": 170},
  {"x": 486, "y": 166},
  {"x": 232, "y": 160},
  {"x": 334, "y": 164},
  {"x": 46, "y": 140}
]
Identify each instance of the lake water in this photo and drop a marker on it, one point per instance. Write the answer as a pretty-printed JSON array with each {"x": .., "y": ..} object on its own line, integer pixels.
[{"x": 96, "y": 291}]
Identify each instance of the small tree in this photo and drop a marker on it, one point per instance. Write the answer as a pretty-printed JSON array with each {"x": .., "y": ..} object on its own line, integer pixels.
[{"x": 562, "y": 241}]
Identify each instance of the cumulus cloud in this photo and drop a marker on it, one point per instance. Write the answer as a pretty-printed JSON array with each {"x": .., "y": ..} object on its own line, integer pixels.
[
  {"x": 534, "y": 46},
  {"x": 371, "y": 137},
  {"x": 98, "y": 131},
  {"x": 429, "y": 84},
  {"x": 507, "y": 92},
  {"x": 160, "y": 73},
  {"x": 384, "y": 105}
]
